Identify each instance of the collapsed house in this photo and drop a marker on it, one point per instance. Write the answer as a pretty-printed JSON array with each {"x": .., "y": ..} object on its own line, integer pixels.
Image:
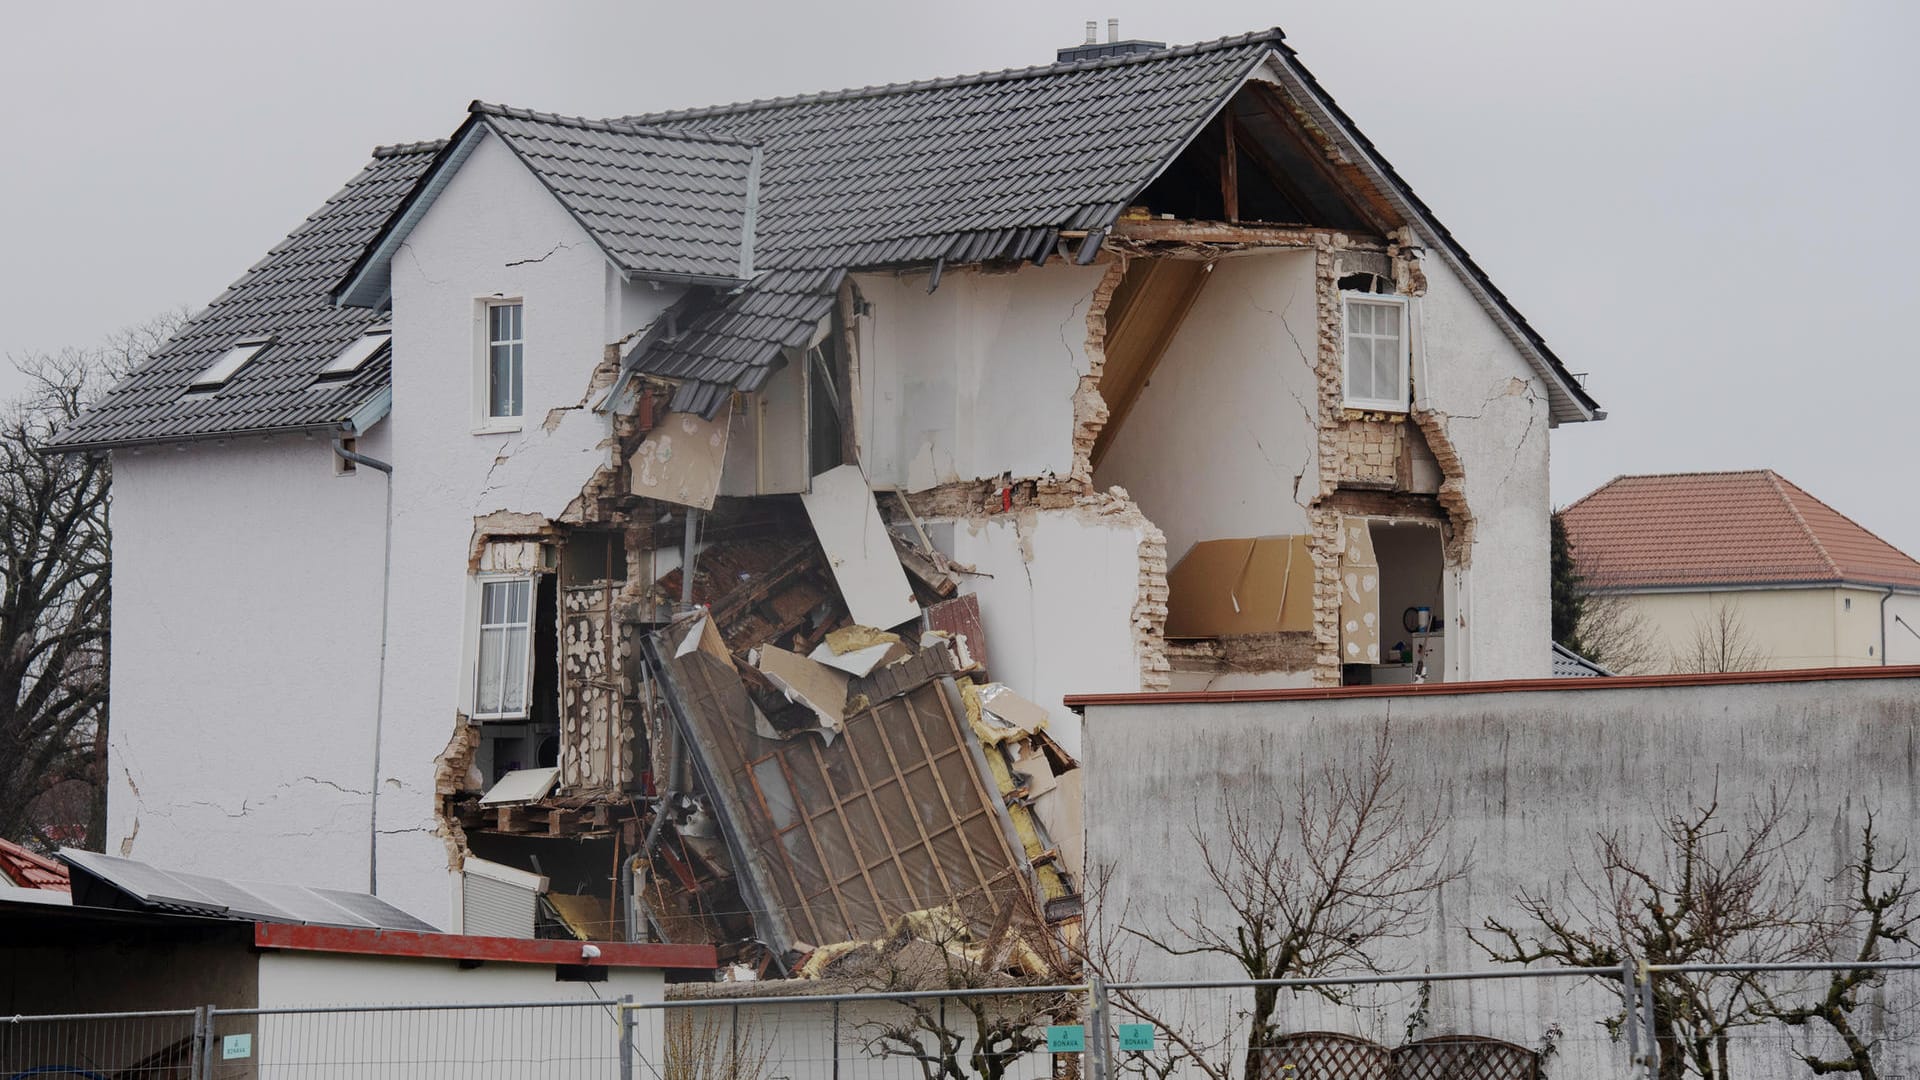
[{"x": 688, "y": 525}]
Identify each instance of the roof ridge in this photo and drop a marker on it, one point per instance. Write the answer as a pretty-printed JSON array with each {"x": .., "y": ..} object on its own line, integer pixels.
[
  {"x": 424, "y": 146},
  {"x": 615, "y": 125},
  {"x": 1273, "y": 34},
  {"x": 1776, "y": 480},
  {"x": 1836, "y": 512}
]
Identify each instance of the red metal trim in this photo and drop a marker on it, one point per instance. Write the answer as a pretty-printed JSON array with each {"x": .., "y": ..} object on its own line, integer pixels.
[
  {"x": 339, "y": 939},
  {"x": 1079, "y": 702}
]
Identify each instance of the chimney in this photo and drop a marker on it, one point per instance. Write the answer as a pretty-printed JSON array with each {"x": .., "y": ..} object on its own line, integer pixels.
[{"x": 1094, "y": 49}]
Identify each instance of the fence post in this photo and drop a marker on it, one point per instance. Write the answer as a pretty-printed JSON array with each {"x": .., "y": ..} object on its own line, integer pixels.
[
  {"x": 626, "y": 1037},
  {"x": 1630, "y": 1009},
  {"x": 1646, "y": 1022},
  {"x": 208, "y": 1039},
  {"x": 1097, "y": 1028},
  {"x": 196, "y": 1049},
  {"x": 836, "y": 1041}
]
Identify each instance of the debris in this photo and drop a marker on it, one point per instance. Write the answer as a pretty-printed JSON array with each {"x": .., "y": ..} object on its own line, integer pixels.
[
  {"x": 1016, "y": 716},
  {"x": 859, "y": 662},
  {"x": 679, "y": 461},
  {"x": 925, "y": 568},
  {"x": 959, "y": 620},
  {"x": 521, "y": 786},
  {"x": 859, "y": 548},
  {"x": 587, "y": 918},
  {"x": 805, "y": 682},
  {"x": 1242, "y": 586}
]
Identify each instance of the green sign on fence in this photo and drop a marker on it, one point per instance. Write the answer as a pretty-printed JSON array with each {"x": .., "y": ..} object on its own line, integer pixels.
[
  {"x": 236, "y": 1046},
  {"x": 1066, "y": 1039},
  {"x": 1136, "y": 1036}
]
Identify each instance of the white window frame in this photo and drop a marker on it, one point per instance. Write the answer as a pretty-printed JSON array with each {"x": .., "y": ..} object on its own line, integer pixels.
[
  {"x": 524, "y": 660},
  {"x": 221, "y": 371},
  {"x": 355, "y": 356},
  {"x": 486, "y": 421},
  {"x": 1403, "y": 401}
]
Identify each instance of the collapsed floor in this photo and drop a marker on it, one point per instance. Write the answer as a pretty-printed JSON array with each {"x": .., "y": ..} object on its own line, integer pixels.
[{"x": 777, "y": 775}]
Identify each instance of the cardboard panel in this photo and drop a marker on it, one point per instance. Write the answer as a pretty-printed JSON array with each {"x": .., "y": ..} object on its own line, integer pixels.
[{"x": 1241, "y": 586}]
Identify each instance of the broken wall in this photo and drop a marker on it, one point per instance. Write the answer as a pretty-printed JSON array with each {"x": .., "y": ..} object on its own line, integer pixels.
[
  {"x": 1059, "y": 607},
  {"x": 975, "y": 379},
  {"x": 246, "y": 612},
  {"x": 1222, "y": 442},
  {"x": 494, "y": 231}
]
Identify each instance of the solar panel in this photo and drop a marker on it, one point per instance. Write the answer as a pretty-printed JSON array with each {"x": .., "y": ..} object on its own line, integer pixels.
[
  {"x": 249, "y": 901},
  {"x": 377, "y": 911}
]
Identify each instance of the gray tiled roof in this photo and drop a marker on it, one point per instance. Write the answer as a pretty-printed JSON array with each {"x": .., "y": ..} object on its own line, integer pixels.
[
  {"x": 986, "y": 166},
  {"x": 284, "y": 295},
  {"x": 661, "y": 204},
  {"x": 1568, "y": 664}
]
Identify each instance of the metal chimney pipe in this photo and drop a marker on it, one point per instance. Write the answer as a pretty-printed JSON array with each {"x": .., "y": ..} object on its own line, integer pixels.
[
  {"x": 1113, "y": 31},
  {"x": 1093, "y": 33}
]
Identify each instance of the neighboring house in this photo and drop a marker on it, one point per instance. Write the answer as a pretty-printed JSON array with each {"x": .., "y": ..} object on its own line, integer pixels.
[
  {"x": 1746, "y": 571},
  {"x": 1163, "y": 378}
]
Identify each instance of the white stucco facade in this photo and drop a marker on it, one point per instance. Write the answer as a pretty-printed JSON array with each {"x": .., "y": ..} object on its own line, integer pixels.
[
  {"x": 246, "y": 618},
  {"x": 494, "y": 232},
  {"x": 1495, "y": 413}
]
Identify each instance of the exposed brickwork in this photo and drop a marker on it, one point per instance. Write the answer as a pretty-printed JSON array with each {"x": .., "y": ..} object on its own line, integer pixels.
[
  {"x": 1367, "y": 450},
  {"x": 1089, "y": 408}
]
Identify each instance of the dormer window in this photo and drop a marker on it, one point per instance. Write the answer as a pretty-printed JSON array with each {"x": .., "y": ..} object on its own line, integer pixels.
[
  {"x": 227, "y": 366},
  {"x": 355, "y": 356}
]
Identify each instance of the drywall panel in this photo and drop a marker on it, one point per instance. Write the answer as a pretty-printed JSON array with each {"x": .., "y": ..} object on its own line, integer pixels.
[
  {"x": 680, "y": 459},
  {"x": 1056, "y": 592},
  {"x": 1222, "y": 442},
  {"x": 847, "y": 522}
]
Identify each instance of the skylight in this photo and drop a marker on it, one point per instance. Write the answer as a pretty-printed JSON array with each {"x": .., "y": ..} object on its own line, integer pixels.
[
  {"x": 228, "y": 365},
  {"x": 354, "y": 357}
]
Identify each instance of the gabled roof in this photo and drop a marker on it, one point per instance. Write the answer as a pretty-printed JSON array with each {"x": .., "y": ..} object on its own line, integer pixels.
[
  {"x": 997, "y": 166},
  {"x": 665, "y": 205},
  {"x": 284, "y": 295},
  {"x": 1676, "y": 530}
]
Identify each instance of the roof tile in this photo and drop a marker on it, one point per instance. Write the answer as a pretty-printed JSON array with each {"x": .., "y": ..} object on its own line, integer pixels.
[{"x": 1724, "y": 528}]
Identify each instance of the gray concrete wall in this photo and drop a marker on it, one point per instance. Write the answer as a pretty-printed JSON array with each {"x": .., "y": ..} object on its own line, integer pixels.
[{"x": 1525, "y": 781}]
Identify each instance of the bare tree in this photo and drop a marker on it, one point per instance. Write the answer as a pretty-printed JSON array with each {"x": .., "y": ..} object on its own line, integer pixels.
[
  {"x": 1880, "y": 913},
  {"x": 953, "y": 1038},
  {"x": 699, "y": 1046},
  {"x": 1315, "y": 889},
  {"x": 54, "y": 552},
  {"x": 1705, "y": 894},
  {"x": 1721, "y": 641},
  {"x": 1108, "y": 949},
  {"x": 1616, "y": 634}
]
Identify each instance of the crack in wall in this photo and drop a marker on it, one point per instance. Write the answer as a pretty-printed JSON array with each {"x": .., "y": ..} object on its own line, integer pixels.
[{"x": 551, "y": 252}]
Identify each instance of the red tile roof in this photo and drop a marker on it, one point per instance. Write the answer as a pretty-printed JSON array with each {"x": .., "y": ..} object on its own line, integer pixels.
[
  {"x": 1724, "y": 528},
  {"x": 23, "y": 868}
]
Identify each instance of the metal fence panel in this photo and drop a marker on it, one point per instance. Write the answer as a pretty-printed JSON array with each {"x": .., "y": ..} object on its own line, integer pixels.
[{"x": 137, "y": 1045}]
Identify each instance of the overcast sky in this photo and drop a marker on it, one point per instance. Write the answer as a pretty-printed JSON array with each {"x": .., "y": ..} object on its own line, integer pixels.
[{"x": 1697, "y": 204}]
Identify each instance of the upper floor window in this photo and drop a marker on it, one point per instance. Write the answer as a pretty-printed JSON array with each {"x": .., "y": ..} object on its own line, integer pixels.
[
  {"x": 505, "y": 355},
  {"x": 506, "y": 649},
  {"x": 1378, "y": 352}
]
